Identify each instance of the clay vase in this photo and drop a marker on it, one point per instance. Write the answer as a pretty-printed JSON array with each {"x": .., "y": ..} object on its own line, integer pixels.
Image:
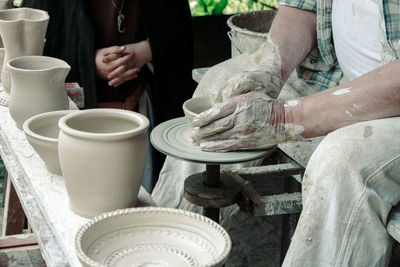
[
  {"x": 38, "y": 85},
  {"x": 23, "y": 33},
  {"x": 102, "y": 156},
  {"x": 4, "y": 4}
]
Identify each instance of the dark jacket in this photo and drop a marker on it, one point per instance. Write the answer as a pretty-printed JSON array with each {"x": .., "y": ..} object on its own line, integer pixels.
[{"x": 168, "y": 25}]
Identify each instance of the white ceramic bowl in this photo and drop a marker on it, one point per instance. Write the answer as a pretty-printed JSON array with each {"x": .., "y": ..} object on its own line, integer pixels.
[
  {"x": 194, "y": 106},
  {"x": 152, "y": 236},
  {"x": 42, "y": 133}
]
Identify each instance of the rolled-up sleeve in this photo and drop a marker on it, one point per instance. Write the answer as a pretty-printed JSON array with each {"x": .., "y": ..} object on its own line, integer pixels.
[{"x": 303, "y": 4}]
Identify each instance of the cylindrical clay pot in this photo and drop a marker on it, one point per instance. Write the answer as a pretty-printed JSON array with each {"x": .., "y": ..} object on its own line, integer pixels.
[
  {"x": 23, "y": 33},
  {"x": 38, "y": 85},
  {"x": 102, "y": 156}
]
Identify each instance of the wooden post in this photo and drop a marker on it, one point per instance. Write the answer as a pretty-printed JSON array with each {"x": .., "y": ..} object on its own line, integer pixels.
[
  {"x": 212, "y": 180},
  {"x": 14, "y": 216}
]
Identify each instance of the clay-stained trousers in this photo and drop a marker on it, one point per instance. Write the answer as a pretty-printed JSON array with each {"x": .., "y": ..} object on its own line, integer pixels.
[{"x": 350, "y": 184}]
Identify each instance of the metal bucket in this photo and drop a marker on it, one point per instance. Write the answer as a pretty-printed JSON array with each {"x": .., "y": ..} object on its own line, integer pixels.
[{"x": 249, "y": 30}]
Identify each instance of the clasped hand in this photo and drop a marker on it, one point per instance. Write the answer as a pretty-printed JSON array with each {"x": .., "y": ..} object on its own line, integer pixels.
[{"x": 118, "y": 64}]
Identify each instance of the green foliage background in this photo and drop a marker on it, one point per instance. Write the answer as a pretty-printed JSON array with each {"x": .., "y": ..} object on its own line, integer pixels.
[{"x": 214, "y": 7}]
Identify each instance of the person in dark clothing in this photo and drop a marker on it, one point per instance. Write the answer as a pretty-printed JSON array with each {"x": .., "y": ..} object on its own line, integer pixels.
[{"x": 103, "y": 42}]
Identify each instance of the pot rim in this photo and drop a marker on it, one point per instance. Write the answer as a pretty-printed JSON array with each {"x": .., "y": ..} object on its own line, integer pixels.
[
  {"x": 136, "y": 117},
  {"x": 234, "y": 27},
  {"x": 25, "y": 9},
  {"x": 186, "y": 105},
  {"x": 61, "y": 63},
  {"x": 26, "y": 125}
]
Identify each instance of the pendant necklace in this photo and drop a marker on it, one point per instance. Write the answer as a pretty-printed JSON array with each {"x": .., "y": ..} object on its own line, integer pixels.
[{"x": 120, "y": 17}]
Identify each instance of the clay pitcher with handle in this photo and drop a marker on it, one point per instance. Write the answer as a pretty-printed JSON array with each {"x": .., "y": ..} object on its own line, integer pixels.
[
  {"x": 23, "y": 33},
  {"x": 38, "y": 85}
]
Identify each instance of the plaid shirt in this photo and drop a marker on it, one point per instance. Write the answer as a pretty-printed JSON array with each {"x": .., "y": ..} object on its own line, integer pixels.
[{"x": 320, "y": 67}]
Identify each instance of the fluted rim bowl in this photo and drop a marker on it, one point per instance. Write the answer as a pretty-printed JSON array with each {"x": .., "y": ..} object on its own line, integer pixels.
[
  {"x": 33, "y": 15},
  {"x": 141, "y": 233},
  {"x": 194, "y": 106},
  {"x": 41, "y": 131},
  {"x": 104, "y": 124}
]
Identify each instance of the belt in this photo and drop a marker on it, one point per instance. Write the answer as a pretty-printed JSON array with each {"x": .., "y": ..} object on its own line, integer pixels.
[{"x": 129, "y": 103}]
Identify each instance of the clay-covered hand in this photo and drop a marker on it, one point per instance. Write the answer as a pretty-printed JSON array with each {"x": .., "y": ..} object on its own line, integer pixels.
[
  {"x": 112, "y": 64},
  {"x": 249, "y": 121},
  {"x": 258, "y": 70}
]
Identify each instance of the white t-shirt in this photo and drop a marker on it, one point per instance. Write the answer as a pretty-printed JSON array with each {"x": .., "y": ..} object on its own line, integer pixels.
[{"x": 356, "y": 35}]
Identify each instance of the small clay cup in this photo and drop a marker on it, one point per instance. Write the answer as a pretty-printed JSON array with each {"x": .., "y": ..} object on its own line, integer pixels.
[{"x": 194, "y": 106}]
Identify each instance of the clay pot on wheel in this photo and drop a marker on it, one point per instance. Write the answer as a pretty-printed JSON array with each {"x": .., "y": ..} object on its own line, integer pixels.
[
  {"x": 38, "y": 85},
  {"x": 194, "y": 106},
  {"x": 23, "y": 33},
  {"x": 102, "y": 156}
]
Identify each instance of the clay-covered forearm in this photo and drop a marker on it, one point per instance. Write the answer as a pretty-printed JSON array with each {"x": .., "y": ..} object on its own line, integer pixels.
[
  {"x": 374, "y": 95},
  {"x": 294, "y": 32}
]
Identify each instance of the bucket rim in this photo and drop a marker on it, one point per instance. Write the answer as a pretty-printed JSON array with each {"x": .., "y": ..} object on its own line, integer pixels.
[{"x": 233, "y": 27}]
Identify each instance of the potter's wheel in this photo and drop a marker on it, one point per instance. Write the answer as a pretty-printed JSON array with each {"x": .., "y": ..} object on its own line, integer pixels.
[{"x": 173, "y": 138}]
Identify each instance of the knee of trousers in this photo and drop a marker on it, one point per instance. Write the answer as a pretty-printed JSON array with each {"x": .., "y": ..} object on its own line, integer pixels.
[{"x": 350, "y": 154}]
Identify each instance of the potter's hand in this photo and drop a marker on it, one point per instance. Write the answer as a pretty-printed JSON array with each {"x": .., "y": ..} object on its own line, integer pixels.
[
  {"x": 248, "y": 121},
  {"x": 112, "y": 63},
  {"x": 259, "y": 70},
  {"x": 265, "y": 81}
]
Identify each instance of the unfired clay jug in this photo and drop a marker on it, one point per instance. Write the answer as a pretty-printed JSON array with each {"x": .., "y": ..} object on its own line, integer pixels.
[
  {"x": 23, "y": 33},
  {"x": 38, "y": 85},
  {"x": 102, "y": 156}
]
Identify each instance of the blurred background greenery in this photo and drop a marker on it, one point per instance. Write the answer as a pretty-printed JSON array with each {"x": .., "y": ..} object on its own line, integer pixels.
[{"x": 216, "y": 7}]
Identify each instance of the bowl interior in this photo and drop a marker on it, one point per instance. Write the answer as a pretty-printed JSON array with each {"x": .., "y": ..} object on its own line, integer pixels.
[
  {"x": 139, "y": 236},
  {"x": 45, "y": 125},
  {"x": 102, "y": 124},
  {"x": 194, "y": 106},
  {"x": 46, "y": 128}
]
